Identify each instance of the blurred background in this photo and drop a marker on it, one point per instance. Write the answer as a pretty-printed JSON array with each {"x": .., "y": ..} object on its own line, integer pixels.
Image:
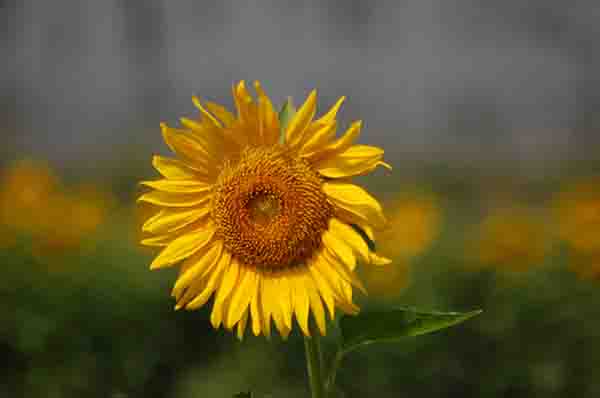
[{"x": 488, "y": 112}]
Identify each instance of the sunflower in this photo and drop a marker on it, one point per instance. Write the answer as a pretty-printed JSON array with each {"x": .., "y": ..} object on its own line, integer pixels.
[{"x": 262, "y": 219}]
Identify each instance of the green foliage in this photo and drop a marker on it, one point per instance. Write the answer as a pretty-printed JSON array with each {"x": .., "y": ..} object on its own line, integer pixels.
[
  {"x": 97, "y": 323},
  {"x": 385, "y": 326},
  {"x": 247, "y": 394}
]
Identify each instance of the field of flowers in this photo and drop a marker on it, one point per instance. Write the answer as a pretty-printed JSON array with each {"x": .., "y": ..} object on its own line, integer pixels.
[{"x": 82, "y": 314}]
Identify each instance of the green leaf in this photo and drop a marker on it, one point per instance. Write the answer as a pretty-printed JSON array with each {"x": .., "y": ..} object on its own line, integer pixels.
[
  {"x": 388, "y": 326},
  {"x": 287, "y": 112}
]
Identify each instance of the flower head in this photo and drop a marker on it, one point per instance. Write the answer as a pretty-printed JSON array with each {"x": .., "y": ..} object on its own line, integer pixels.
[{"x": 269, "y": 228}]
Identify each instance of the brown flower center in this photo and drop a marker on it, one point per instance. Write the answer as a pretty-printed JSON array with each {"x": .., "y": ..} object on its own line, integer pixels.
[{"x": 269, "y": 209}]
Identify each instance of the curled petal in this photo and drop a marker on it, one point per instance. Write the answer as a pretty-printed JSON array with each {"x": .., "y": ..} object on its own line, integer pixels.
[
  {"x": 356, "y": 160},
  {"x": 355, "y": 200}
]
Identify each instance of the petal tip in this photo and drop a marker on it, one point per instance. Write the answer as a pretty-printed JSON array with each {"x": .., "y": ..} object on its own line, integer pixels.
[
  {"x": 196, "y": 102},
  {"x": 155, "y": 266},
  {"x": 385, "y": 165},
  {"x": 241, "y": 85},
  {"x": 379, "y": 260}
]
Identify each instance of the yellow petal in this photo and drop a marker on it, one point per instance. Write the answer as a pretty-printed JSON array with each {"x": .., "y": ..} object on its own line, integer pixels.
[
  {"x": 199, "y": 152},
  {"x": 315, "y": 304},
  {"x": 324, "y": 289},
  {"x": 355, "y": 200},
  {"x": 255, "y": 309},
  {"x": 378, "y": 260},
  {"x": 221, "y": 113},
  {"x": 197, "y": 267},
  {"x": 347, "y": 289},
  {"x": 204, "y": 294},
  {"x": 241, "y": 326},
  {"x": 243, "y": 101},
  {"x": 268, "y": 119},
  {"x": 279, "y": 323},
  {"x": 339, "y": 248},
  {"x": 184, "y": 246},
  {"x": 301, "y": 120},
  {"x": 350, "y": 237},
  {"x": 317, "y": 136},
  {"x": 337, "y": 285},
  {"x": 337, "y": 146},
  {"x": 356, "y": 160},
  {"x": 162, "y": 240},
  {"x": 216, "y": 315},
  {"x": 266, "y": 303},
  {"x": 322, "y": 130},
  {"x": 339, "y": 267},
  {"x": 230, "y": 277},
  {"x": 241, "y": 297},
  {"x": 366, "y": 229},
  {"x": 229, "y": 121},
  {"x": 171, "y": 199},
  {"x": 284, "y": 332},
  {"x": 172, "y": 219},
  {"x": 350, "y": 218},
  {"x": 301, "y": 303},
  {"x": 285, "y": 299},
  {"x": 192, "y": 291},
  {"x": 178, "y": 186},
  {"x": 195, "y": 126},
  {"x": 208, "y": 134},
  {"x": 211, "y": 133},
  {"x": 174, "y": 169},
  {"x": 332, "y": 112},
  {"x": 247, "y": 124},
  {"x": 202, "y": 298},
  {"x": 209, "y": 117}
]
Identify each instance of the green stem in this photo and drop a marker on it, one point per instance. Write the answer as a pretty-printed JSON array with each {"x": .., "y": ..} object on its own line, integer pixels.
[
  {"x": 314, "y": 363},
  {"x": 335, "y": 364}
]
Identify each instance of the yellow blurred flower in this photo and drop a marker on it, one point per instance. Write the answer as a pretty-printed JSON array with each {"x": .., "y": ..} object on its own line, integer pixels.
[
  {"x": 34, "y": 202},
  {"x": 577, "y": 212},
  {"x": 513, "y": 239},
  {"x": 585, "y": 265},
  {"x": 73, "y": 216},
  {"x": 25, "y": 189},
  {"x": 387, "y": 282},
  {"x": 91, "y": 207},
  {"x": 414, "y": 223}
]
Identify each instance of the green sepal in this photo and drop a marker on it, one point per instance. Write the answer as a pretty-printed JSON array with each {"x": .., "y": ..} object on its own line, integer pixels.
[
  {"x": 388, "y": 326},
  {"x": 287, "y": 112}
]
